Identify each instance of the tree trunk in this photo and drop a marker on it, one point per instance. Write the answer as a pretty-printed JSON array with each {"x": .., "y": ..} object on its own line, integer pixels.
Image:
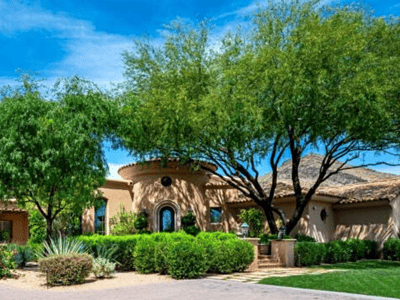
[
  {"x": 49, "y": 229},
  {"x": 270, "y": 219}
]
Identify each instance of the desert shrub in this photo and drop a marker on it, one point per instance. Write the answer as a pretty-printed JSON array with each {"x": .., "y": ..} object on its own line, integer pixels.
[
  {"x": 144, "y": 255},
  {"x": 243, "y": 254},
  {"x": 391, "y": 249},
  {"x": 185, "y": 260},
  {"x": 66, "y": 269},
  {"x": 309, "y": 253},
  {"x": 141, "y": 222},
  {"x": 21, "y": 254},
  {"x": 304, "y": 238},
  {"x": 7, "y": 262},
  {"x": 337, "y": 251},
  {"x": 123, "y": 223},
  {"x": 217, "y": 236},
  {"x": 254, "y": 218},
  {"x": 103, "y": 267},
  {"x": 189, "y": 219},
  {"x": 125, "y": 244},
  {"x": 209, "y": 248},
  {"x": 192, "y": 230},
  {"x": 357, "y": 249},
  {"x": 161, "y": 256}
]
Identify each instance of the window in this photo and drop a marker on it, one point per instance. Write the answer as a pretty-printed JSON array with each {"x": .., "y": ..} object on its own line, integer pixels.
[
  {"x": 215, "y": 215},
  {"x": 5, "y": 230},
  {"x": 100, "y": 219}
]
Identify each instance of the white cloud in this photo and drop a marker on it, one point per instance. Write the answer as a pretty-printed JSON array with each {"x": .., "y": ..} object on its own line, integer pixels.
[
  {"x": 113, "y": 171},
  {"x": 92, "y": 54}
]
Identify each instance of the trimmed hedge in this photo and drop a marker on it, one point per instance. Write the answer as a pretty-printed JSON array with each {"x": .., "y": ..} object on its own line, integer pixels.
[
  {"x": 126, "y": 245},
  {"x": 311, "y": 253},
  {"x": 179, "y": 254},
  {"x": 66, "y": 269},
  {"x": 391, "y": 249}
]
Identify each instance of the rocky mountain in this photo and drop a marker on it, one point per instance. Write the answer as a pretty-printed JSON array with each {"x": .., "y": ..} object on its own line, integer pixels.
[{"x": 309, "y": 170}]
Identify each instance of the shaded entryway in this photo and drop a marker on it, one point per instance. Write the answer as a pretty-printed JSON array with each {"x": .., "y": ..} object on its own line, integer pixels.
[
  {"x": 167, "y": 219},
  {"x": 166, "y": 216}
]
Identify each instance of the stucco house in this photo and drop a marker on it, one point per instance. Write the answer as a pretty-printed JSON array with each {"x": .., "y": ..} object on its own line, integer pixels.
[
  {"x": 14, "y": 220},
  {"x": 359, "y": 203}
]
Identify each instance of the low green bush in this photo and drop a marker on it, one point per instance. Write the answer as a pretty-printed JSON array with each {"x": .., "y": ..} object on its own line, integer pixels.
[
  {"x": 7, "y": 262},
  {"x": 66, "y": 269},
  {"x": 185, "y": 260},
  {"x": 192, "y": 230},
  {"x": 304, "y": 238},
  {"x": 337, "y": 252},
  {"x": 309, "y": 253},
  {"x": 21, "y": 254},
  {"x": 220, "y": 252},
  {"x": 266, "y": 238},
  {"x": 144, "y": 255},
  {"x": 126, "y": 245},
  {"x": 391, "y": 249},
  {"x": 217, "y": 235}
]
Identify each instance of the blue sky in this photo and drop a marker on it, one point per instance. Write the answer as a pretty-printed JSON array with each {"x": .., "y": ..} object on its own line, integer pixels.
[{"x": 86, "y": 37}]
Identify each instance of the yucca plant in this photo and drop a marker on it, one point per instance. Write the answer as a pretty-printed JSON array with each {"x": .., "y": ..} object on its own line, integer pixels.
[{"x": 61, "y": 246}]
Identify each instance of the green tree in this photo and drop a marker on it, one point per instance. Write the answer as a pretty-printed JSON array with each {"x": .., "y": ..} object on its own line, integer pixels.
[
  {"x": 307, "y": 78},
  {"x": 50, "y": 151}
]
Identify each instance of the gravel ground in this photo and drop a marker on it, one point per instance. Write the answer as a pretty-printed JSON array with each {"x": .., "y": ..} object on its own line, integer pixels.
[{"x": 33, "y": 279}]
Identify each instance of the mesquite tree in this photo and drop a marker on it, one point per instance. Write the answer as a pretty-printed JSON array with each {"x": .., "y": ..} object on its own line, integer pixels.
[
  {"x": 305, "y": 77},
  {"x": 50, "y": 151}
]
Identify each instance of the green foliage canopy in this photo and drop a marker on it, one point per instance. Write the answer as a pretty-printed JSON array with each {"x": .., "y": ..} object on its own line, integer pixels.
[
  {"x": 308, "y": 77},
  {"x": 50, "y": 151}
]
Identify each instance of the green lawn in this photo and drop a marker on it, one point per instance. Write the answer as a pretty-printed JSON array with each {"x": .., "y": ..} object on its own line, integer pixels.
[{"x": 369, "y": 277}]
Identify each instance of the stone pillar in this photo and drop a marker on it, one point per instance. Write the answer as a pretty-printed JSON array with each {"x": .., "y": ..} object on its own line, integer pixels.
[
  {"x": 254, "y": 264},
  {"x": 283, "y": 250}
]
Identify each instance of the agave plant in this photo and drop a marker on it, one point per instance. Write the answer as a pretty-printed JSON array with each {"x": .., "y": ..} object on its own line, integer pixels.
[
  {"x": 106, "y": 251},
  {"x": 61, "y": 246}
]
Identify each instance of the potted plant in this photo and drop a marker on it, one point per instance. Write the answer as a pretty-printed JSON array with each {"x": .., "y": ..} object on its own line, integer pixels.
[{"x": 264, "y": 245}]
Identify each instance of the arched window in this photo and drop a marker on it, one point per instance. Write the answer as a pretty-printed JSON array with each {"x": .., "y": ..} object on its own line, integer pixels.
[
  {"x": 100, "y": 219},
  {"x": 167, "y": 219}
]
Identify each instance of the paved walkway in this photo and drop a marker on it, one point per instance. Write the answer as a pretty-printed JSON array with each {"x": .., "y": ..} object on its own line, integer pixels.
[
  {"x": 186, "y": 289},
  {"x": 256, "y": 276}
]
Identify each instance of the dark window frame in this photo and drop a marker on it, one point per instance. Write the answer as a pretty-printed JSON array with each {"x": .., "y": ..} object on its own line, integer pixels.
[{"x": 219, "y": 209}]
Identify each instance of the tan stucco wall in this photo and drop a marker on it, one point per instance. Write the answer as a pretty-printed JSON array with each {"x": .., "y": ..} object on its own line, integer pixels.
[
  {"x": 115, "y": 194},
  {"x": 364, "y": 222},
  {"x": 321, "y": 231},
  {"x": 186, "y": 192},
  {"x": 142, "y": 189},
  {"x": 20, "y": 227}
]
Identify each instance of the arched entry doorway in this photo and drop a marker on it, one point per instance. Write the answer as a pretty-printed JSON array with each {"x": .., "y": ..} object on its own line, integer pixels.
[
  {"x": 167, "y": 219},
  {"x": 166, "y": 216}
]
